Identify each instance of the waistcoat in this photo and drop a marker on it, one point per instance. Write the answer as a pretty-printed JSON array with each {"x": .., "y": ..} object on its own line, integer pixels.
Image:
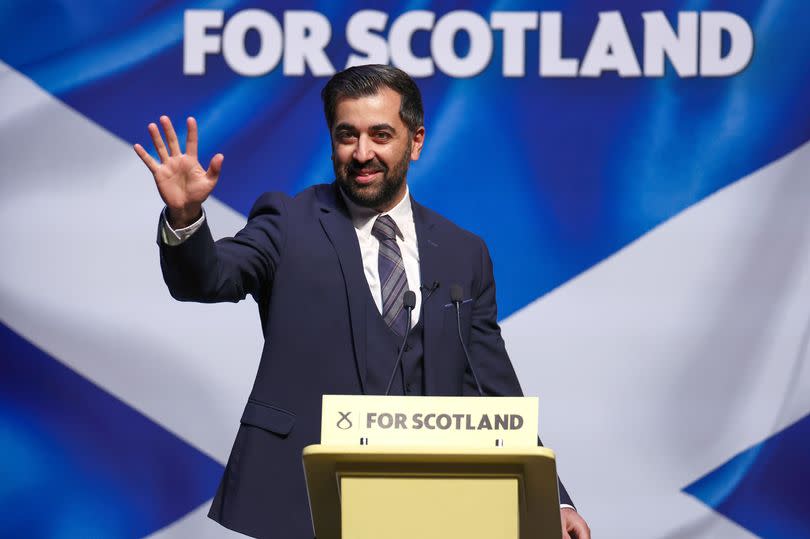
[{"x": 382, "y": 347}]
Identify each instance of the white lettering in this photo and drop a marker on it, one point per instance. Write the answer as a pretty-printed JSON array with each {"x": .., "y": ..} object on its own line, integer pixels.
[
  {"x": 610, "y": 49},
  {"x": 360, "y": 37},
  {"x": 306, "y": 35},
  {"x": 514, "y": 25},
  {"x": 443, "y": 37},
  {"x": 233, "y": 42},
  {"x": 552, "y": 63},
  {"x": 196, "y": 44},
  {"x": 399, "y": 39},
  {"x": 661, "y": 39},
  {"x": 712, "y": 26},
  {"x": 708, "y": 44}
]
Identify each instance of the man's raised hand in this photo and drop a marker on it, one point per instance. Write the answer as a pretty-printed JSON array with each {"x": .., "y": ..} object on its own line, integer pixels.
[{"x": 181, "y": 181}]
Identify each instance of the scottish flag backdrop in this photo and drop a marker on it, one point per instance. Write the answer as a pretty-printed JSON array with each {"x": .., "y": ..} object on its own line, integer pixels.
[{"x": 639, "y": 171}]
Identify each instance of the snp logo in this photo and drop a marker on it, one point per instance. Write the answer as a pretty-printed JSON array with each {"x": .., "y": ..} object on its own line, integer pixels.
[{"x": 344, "y": 423}]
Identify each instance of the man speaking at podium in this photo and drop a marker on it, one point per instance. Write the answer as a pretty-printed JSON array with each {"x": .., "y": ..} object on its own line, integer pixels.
[{"x": 329, "y": 269}]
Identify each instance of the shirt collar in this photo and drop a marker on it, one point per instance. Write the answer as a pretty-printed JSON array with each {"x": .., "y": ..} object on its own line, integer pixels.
[{"x": 363, "y": 218}]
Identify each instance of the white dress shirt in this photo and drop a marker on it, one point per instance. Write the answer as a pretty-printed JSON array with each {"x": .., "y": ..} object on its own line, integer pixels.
[{"x": 363, "y": 221}]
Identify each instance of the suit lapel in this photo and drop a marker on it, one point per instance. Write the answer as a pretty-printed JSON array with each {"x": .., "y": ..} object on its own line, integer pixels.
[
  {"x": 338, "y": 227},
  {"x": 429, "y": 272}
]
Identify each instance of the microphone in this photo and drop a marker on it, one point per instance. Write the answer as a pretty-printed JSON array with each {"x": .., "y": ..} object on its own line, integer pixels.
[
  {"x": 456, "y": 295},
  {"x": 408, "y": 303}
]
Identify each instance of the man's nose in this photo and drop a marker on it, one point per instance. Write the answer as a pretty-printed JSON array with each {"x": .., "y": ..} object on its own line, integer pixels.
[{"x": 364, "y": 150}]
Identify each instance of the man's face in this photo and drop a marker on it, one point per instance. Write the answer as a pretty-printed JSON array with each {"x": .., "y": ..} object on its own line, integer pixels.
[{"x": 371, "y": 149}]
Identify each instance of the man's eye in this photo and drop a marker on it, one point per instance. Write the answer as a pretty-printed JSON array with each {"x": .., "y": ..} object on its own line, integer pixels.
[
  {"x": 346, "y": 137},
  {"x": 382, "y": 135}
]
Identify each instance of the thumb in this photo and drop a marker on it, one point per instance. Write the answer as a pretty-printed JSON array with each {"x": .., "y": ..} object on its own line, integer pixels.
[{"x": 215, "y": 167}]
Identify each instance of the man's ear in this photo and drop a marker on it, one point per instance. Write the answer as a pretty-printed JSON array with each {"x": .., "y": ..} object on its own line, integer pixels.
[{"x": 417, "y": 142}]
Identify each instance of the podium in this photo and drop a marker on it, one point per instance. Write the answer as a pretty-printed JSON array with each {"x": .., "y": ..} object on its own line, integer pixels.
[{"x": 412, "y": 488}]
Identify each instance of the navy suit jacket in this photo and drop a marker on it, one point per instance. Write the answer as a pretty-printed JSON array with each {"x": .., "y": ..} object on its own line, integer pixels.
[{"x": 300, "y": 259}]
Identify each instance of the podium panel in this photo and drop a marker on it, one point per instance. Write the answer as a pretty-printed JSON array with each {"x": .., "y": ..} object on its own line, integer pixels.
[
  {"x": 365, "y": 492},
  {"x": 429, "y": 507}
]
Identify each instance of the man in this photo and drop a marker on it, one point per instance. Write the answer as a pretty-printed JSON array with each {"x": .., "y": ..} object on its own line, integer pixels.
[{"x": 328, "y": 269}]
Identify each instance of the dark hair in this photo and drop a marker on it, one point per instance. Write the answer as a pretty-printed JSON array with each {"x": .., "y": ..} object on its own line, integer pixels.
[{"x": 367, "y": 80}]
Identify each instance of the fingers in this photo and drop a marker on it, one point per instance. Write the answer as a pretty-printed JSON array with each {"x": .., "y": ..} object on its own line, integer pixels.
[
  {"x": 191, "y": 137},
  {"x": 564, "y": 524},
  {"x": 577, "y": 527},
  {"x": 174, "y": 145},
  {"x": 581, "y": 532},
  {"x": 171, "y": 136},
  {"x": 215, "y": 167},
  {"x": 157, "y": 140},
  {"x": 147, "y": 159}
]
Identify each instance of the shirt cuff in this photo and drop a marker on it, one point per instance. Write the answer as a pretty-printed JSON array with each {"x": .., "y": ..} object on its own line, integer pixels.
[
  {"x": 172, "y": 237},
  {"x": 566, "y": 506}
]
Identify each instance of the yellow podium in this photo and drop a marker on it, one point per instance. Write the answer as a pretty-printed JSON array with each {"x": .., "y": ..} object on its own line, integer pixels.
[{"x": 376, "y": 490}]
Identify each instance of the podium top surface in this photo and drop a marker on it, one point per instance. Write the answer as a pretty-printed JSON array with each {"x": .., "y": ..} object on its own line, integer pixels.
[{"x": 360, "y": 453}]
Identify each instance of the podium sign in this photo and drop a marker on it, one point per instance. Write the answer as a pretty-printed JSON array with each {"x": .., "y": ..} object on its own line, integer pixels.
[{"x": 464, "y": 422}]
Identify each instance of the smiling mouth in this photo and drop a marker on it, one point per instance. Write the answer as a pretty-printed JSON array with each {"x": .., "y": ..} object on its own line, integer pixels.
[{"x": 366, "y": 176}]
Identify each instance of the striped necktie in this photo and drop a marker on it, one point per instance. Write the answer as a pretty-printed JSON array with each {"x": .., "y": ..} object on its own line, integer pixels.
[{"x": 393, "y": 281}]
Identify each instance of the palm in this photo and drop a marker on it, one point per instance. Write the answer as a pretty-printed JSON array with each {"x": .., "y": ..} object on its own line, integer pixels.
[{"x": 181, "y": 181}]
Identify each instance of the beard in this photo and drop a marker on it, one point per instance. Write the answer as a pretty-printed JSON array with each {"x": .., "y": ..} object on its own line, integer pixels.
[{"x": 379, "y": 194}]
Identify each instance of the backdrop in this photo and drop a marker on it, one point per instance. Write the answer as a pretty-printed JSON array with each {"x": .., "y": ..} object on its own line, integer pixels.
[{"x": 639, "y": 171}]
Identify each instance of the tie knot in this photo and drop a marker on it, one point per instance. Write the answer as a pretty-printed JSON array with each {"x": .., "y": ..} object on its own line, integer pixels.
[{"x": 385, "y": 228}]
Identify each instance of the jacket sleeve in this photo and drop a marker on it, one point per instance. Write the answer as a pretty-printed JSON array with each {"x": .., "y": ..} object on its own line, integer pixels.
[
  {"x": 488, "y": 351},
  {"x": 229, "y": 269}
]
